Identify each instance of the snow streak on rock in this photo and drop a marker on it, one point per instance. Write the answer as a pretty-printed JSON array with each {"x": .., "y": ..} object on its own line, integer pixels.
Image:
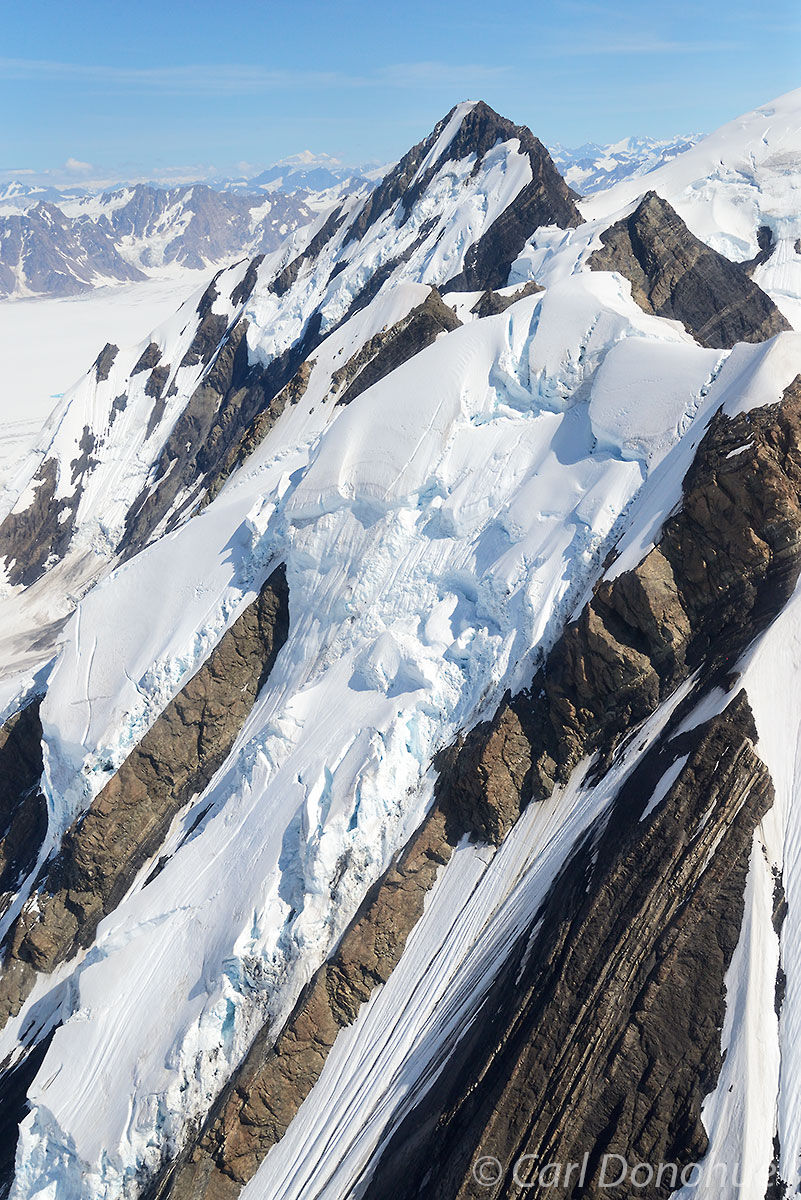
[{"x": 470, "y": 447}]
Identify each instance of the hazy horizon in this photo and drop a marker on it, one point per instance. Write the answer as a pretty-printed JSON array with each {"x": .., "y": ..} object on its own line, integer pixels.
[{"x": 151, "y": 92}]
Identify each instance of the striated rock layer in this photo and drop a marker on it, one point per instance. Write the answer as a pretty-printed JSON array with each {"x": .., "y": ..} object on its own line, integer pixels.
[
  {"x": 126, "y": 823},
  {"x": 602, "y": 1037},
  {"x": 674, "y": 274}
]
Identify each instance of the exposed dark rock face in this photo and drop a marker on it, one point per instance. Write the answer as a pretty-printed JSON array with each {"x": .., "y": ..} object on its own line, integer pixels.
[
  {"x": 157, "y": 380},
  {"x": 491, "y": 303},
  {"x": 259, "y": 427},
  {"x": 148, "y": 359},
  {"x": 767, "y": 245},
  {"x": 105, "y": 361},
  {"x": 119, "y": 404},
  {"x": 387, "y": 349},
  {"x": 84, "y": 462},
  {"x": 125, "y": 824},
  {"x": 603, "y": 1037},
  {"x": 777, "y": 1188},
  {"x": 546, "y": 200},
  {"x": 42, "y": 532},
  {"x": 232, "y": 399},
  {"x": 206, "y": 301},
  {"x": 395, "y": 185},
  {"x": 16, "y": 1081},
  {"x": 284, "y": 280},
  {"x": 199, "y": 437},
  {"x": 256, "y": 1108},
  {"x": 726, "y": 564},
  {"x": 210, "y": 332},
  {"x": 674, "y": 274},
  {"x": 159, "y": 408},
  {"x": 23, "y": 811},
  {"x": 29, "y": 538},
  {"x": 244, "y": 289}
]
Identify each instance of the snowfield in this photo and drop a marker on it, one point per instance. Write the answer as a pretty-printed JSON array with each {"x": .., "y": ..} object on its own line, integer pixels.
[{"x": 438, "y": 532}]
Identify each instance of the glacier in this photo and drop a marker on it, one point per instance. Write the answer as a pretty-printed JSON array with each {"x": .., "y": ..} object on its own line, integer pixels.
[{"x": 439, "y": 532}]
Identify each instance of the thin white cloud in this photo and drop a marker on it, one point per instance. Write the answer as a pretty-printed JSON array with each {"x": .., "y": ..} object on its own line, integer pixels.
[
  {"x": 89, "y": 178},
  {"x": 232, "y": 78},
  {"x": 639, "y": 46}
]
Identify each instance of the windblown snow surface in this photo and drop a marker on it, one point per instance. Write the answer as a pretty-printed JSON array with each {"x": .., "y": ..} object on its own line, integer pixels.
[{"x": 437, "y": 532}]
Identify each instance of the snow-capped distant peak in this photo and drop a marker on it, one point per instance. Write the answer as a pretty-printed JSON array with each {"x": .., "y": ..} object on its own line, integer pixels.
[
  {"x": 307, "y": 158},
  {"x": 591, "y": 167},
  {"x": 739, "y": 190}
]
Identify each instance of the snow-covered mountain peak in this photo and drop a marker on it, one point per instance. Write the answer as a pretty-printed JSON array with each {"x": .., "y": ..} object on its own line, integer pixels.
[
  {"x": 742, "y": 179},
  {"x": 358, "y": 626}
]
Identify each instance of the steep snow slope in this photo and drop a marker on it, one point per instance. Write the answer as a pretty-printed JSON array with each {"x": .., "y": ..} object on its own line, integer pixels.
[{"x": 445, "y": 492}]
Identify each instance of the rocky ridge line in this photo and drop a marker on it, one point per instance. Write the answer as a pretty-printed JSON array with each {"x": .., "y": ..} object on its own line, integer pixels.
[
  {"x": 674, "y": 274},
  {"x": 125, "y": 824},
  {"x": 548, "y": 1069},
  {"x": 601, "y": 1033},
  {"x": 635, "y": 641}
]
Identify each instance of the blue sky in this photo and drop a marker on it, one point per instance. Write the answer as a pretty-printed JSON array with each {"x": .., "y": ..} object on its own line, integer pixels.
[{"x": 126, "y": 89}]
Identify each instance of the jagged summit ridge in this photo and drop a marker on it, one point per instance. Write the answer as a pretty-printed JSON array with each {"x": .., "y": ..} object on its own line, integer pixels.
[
  {"x": 454, "y": 212},
  {"x": 318, "y": 603}
]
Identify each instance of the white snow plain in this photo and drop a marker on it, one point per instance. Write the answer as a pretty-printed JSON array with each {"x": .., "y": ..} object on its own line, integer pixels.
[{"x": 437, "y": 533}]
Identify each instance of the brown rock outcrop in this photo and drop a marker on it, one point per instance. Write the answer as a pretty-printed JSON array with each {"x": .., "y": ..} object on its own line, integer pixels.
[
  {"x": 602, "y": 1036},
  {"x": 148, "y": 359},
  {"x": 23, "y": 811},
  {"x": 492, "y": 303},
  {"x": 105, "y": 361},
  {"x": 392, "y": 346},
  {"x": 674, "y": 274},
  {"x": 126, "y": 823}
]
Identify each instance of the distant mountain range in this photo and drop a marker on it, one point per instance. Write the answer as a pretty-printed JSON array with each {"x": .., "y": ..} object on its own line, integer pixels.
[
  {"x": 61, "y": 249},
  {"x": 305, "y": 172},
  {"x": 590, "y": 168},
  {"x": 60, "y": 242},
  {"x": 400, "y": 698}
]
